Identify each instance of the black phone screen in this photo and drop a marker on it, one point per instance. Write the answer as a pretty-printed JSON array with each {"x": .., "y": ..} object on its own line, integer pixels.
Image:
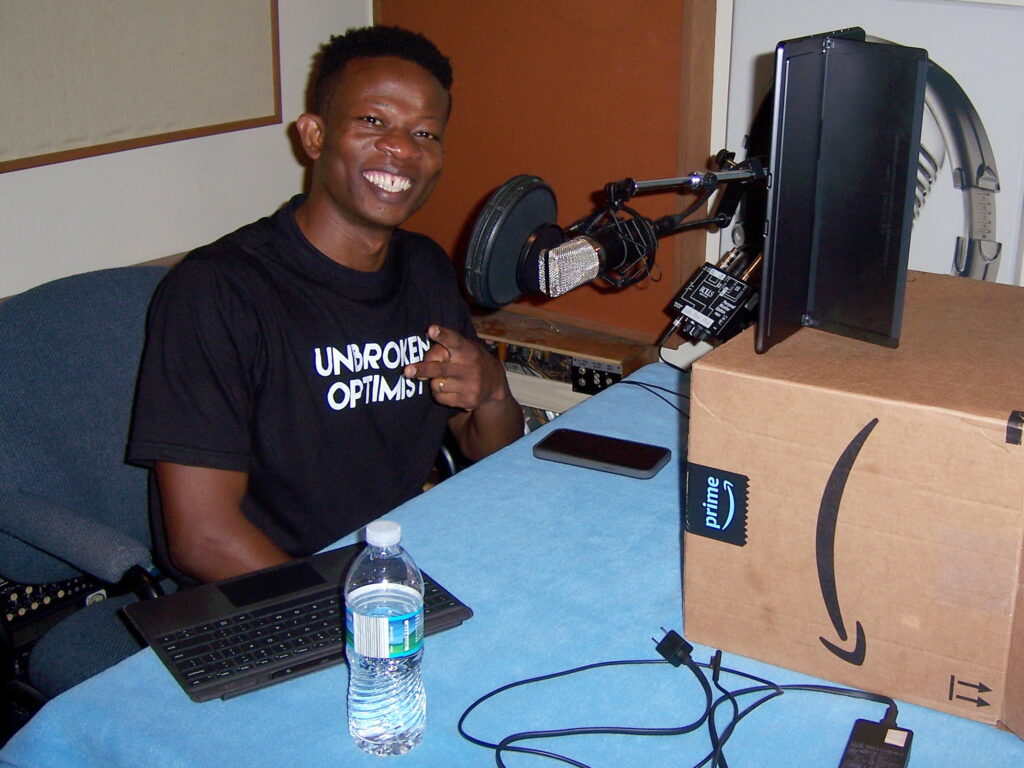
[{"x": 610, "y": 454}]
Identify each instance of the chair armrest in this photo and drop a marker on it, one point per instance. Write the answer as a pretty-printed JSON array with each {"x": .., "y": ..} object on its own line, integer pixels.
[
  {"x": 142, "y": 583},
  {"x": 86, "y": 544}
]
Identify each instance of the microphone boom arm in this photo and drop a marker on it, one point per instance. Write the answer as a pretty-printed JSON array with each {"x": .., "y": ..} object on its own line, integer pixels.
[{"x": 620, "y": 192}]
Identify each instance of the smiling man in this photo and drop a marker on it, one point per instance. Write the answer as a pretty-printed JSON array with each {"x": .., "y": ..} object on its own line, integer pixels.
[{"x": 300, "y": 373}]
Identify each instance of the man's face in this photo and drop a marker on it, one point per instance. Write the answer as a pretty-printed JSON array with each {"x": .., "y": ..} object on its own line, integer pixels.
[{"x": 381, "y": 147}]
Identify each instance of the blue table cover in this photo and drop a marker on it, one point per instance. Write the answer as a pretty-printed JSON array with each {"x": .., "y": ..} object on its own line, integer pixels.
[{"x": 563, "y": 566}]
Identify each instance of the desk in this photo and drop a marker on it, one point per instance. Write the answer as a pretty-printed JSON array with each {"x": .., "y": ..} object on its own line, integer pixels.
[{"x": 563, "y": 566}]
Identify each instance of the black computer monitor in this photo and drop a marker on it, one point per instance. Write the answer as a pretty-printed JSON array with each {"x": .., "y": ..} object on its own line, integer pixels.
[{"x": 843, "y": 159}]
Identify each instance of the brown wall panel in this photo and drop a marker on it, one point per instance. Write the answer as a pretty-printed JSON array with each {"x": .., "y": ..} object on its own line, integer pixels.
[{"x": 580, "y": 93}]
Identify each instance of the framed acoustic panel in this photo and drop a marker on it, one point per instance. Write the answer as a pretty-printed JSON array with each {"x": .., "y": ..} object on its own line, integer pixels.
[{"x": 96, "y": 76}]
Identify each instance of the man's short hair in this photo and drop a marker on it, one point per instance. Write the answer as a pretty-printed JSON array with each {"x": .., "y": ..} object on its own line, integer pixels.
[{"x": 367, "y": 42}]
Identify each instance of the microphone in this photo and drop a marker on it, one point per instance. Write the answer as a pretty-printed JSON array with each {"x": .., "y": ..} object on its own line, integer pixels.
[
  {"x": 516, "y": 247},
  {"x": 568, "y": 266},
  {"x": 608, "y": 251}
]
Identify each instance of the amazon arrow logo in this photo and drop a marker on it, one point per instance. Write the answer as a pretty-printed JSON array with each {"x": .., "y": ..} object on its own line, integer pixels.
[{"x": 828, "y": 516}]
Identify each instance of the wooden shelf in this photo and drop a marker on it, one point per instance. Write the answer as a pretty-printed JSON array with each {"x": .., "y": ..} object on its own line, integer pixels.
[
  {"x": 504, "y": 326},
  {"x": 577, "y": 362}
]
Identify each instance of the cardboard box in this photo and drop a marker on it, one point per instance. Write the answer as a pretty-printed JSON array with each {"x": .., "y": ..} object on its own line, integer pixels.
[{"x": 857, "y": 513}]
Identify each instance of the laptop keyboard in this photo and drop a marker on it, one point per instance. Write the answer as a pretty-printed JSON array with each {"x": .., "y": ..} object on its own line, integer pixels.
[{"x": 208, "y": 654}]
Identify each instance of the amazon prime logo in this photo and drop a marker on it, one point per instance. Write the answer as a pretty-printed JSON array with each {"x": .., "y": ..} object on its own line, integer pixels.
[{"x": 716, "y": 504}]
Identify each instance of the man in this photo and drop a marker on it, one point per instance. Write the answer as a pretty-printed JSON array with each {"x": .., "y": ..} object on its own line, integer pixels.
[{"x": 299, "y": 373}]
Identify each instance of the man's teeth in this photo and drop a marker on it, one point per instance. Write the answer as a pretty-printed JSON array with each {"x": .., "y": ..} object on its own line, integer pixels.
[{"x": 387, "y": 181}]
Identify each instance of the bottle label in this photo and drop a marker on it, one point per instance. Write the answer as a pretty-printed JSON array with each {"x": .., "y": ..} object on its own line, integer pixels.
[{"x": 389, "y": 630}]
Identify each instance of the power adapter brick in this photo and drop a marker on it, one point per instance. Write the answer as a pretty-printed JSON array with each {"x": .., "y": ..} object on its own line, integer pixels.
[{"x": 877, "y": 745}]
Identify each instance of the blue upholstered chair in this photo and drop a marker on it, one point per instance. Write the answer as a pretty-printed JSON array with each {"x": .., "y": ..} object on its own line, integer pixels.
[{"x": 69, "y": 504}]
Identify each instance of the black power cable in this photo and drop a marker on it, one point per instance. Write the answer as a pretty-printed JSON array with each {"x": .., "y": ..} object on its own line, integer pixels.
[
  {"x": 677, "y": 652},
  {"x": 509, "y": 742},
  {"x": 656, "y": 389}
]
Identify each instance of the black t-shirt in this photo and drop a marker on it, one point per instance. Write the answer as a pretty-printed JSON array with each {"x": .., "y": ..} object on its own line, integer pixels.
[{"x": 265, "y": 356}]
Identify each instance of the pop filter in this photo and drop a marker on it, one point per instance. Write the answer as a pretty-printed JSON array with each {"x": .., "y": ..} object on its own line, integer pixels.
[{"x": 516, "y": 224}]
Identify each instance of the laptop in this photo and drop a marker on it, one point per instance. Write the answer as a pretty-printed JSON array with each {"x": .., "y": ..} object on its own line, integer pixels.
[{"x": 230, "y": 637}]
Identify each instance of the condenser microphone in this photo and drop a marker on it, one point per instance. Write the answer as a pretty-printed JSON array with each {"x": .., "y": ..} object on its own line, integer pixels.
[
  {"x": 607, "y": 251},
  {"x": 517, "y": 248},
  {"x": 568, "y": 266}
]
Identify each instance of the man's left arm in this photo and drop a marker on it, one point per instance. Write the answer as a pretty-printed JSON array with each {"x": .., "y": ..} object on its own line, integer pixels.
[{"x": 462, "y": 374}]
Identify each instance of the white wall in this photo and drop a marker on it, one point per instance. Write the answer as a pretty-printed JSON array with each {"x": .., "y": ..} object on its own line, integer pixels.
[{"x": 142, "y": 204}]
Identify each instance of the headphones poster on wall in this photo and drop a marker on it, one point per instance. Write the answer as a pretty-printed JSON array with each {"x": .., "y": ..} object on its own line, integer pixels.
[{"x": 969, "y": 206}]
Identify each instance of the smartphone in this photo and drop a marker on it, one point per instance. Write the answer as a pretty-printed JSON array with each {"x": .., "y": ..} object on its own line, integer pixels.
[{"x": 608, "y": 454}]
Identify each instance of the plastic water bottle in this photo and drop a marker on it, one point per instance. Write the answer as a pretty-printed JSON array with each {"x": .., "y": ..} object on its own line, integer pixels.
[{"x": 387, "y": 706}]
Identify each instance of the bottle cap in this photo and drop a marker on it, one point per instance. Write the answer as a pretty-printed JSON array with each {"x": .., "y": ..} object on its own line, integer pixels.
[{"x": 383, "y": 533}]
